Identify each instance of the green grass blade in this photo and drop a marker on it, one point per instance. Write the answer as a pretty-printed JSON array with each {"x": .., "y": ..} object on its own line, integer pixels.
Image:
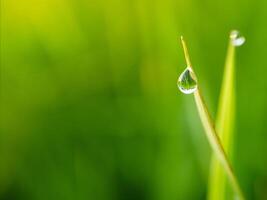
[
  {"x": 224, "y": 126},
  {"x": 212, "y": 136}
]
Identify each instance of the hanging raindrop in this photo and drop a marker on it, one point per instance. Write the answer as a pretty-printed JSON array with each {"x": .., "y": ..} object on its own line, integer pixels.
[
  {"x": 237, "y": 39},
  {"x": 187, "y": 81}
]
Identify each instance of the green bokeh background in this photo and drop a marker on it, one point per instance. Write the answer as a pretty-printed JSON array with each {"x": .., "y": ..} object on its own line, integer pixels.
[{"x": 89, "y": 103}]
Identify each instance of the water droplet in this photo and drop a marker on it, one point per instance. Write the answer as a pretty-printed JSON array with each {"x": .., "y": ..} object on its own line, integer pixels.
[
  {"x": 237, "y": 39},
  {"x": 187, "y": 81}
]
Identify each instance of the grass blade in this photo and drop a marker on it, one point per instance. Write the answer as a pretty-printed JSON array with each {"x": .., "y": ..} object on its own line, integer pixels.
[
  {"x": 212, "y": 136},
  {"x": 224, "y": 126}
]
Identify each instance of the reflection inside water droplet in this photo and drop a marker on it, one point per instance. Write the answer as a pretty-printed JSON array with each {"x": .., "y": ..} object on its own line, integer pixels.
[
  {"x": 187, "y": 81},
  {"x": 237, "y": 39}
]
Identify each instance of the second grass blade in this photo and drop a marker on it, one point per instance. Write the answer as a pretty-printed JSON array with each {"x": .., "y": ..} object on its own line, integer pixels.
[{"x": 224, "y": 126}]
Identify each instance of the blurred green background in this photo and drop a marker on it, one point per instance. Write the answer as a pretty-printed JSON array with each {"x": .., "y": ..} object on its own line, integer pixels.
[{"x": 89, "y": 103}]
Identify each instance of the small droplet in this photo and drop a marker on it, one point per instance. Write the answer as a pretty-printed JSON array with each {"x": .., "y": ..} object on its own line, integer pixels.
[
  {"x": 187, "y": 81},
  {"x": 237, "y": 39}
]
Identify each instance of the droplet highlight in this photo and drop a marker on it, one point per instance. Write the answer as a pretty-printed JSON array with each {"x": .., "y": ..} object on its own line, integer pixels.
[
  {"x": 187, "y": 81},
  {"x": 237, "y": 39}
]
